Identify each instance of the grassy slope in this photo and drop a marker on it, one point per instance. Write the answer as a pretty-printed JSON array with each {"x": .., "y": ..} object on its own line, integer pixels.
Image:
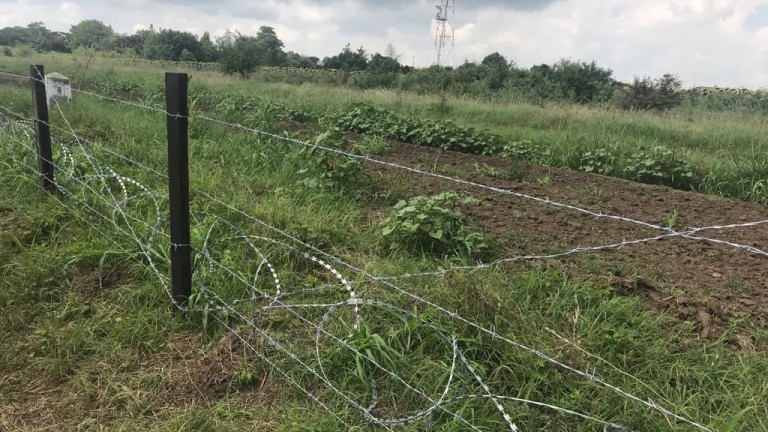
[
  {"x": 88, "y": 334},
  {"x": 729, "y": 145}
]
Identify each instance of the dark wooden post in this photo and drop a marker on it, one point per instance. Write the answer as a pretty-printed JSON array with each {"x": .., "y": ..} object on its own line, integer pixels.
[
  {"x": 178, "y": 181},
  {"x": 42, "y": 127}
]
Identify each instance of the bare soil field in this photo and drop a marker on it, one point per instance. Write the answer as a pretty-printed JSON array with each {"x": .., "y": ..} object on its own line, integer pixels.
[{"x": 710, "y": 284}]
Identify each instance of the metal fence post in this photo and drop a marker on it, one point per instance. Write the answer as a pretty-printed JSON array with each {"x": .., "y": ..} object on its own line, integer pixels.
[
  {"x": 42, "y": 128},
  {"x": 178, "y": 181}
]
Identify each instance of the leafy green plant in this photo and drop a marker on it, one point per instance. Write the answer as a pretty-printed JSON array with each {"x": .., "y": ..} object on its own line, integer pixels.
[
  {"x": 245, "y": 378},
  {"x": 600, "y": 161},
  {"x": 433, "y": 224},
  {"x": 446, "y": 135},
  {"x": 596, "y": 191},
  {"x": 661, "y": 165},
  {"x": 521, "y": 150},
  {"x": 673, "y": 221},
  {"x": 328, "y": 169},
  {"x": 487, "y": 170},
  {"x": 205, "y": 311},
  {"x": 371, "y": 146}
]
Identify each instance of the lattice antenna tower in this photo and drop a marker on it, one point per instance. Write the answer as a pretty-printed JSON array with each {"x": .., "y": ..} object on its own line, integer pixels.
[
  {"x": 445, "y": 35},
  {"x": 391, "y": 52}
]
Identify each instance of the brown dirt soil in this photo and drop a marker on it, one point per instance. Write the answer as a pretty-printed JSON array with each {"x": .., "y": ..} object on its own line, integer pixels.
[
  {"x": 710, "y": 284},
  {"x": 203, "y": 376}
]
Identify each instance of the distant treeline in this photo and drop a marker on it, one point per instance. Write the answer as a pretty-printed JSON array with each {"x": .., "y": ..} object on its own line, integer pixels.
[{"x": 494, "y": 77}]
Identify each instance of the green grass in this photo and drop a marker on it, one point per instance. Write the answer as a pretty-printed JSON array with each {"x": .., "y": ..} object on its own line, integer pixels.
[
  {"x": 727, "y": 148},
  {"x": 89, "y": 340}
]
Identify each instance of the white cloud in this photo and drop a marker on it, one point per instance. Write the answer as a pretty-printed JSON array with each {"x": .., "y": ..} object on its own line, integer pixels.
[{"x": 705, "y": 41}]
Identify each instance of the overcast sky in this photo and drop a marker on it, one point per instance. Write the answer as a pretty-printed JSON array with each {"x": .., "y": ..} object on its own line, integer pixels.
[{"x": 706, "y": 42}]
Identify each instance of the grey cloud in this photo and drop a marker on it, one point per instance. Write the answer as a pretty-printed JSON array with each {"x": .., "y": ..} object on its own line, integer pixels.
[
  {"x": 242, "y": 9},
  {"x": 460, "y": 4}
]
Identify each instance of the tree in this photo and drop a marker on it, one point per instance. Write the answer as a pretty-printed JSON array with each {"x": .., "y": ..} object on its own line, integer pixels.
[
  {"x": 469, "y": 73},
  {"x": 496, "y": 61},
  {"x": 271, "y": 46},
  {"x": 134, "y": 42},
  {"x": 648, "y": 94},
  {"x": 348, "y": 60},
  {"x": 208, "y": 52},
  {"x": 92, "y": 34},
  {"x": 58, "y": 42},
  {"x": 39, "y": 36},
  {"x": 36, "y": 36},
  {"x": 12, "y": 36},
  {"x": 297, "y": 60},
  {"x": 498, "y": 68},
  {"x": 187, "y": 56},
  {"x": 585, "y": 82},
  {"x": 240, "y": 54},
  {"x": 383, "y": 65},
  {"x": 169, "y": 44}
]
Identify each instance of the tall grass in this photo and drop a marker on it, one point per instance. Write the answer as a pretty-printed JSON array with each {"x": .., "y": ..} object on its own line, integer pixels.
[{"x": 725, "y": 145}]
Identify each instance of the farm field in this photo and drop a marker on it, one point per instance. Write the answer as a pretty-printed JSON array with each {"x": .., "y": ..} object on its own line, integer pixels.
[{"x": 561, "y": 300}]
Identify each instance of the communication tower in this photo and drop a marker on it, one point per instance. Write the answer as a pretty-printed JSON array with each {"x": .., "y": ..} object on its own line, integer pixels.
[
  {"x": 445, "y": 35},
  {"x": 391, "y": 52}
]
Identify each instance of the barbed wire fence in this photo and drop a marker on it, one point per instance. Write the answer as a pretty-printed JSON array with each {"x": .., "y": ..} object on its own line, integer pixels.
[{"x": 340, "y": 302}]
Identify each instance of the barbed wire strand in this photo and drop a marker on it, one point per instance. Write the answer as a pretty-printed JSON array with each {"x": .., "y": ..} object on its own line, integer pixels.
[
  {"x": 397, "y": 421},
  {"x": 491, "y": 333},
  {"x": 747, "y": 248},
  {"x": 270, "y": 340},
  {"x": 165, "y": 281},
  {"x": 438, "y": 175},
  {"x": 501, "y": 191}
]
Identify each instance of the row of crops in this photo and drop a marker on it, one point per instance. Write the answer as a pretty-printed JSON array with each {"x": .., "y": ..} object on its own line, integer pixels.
[{"x": 650, "y": 164}]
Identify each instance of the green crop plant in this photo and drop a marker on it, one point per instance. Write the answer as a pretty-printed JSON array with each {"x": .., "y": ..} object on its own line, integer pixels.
[
  {"x": 601, "y": 161},
  {"x": 433, "y": 225},
  {"x": 661, "y": 165},
  {"x": 673, "y": 221},
  {"x": 519, "y": 150},
  {"x": 371, "y": 145},
  {"x": 443, "y": 134},
  {"x": 328, "y": 169}
]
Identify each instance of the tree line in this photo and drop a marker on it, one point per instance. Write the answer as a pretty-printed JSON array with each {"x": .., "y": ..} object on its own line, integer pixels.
[{"x": 566, "y": 80}]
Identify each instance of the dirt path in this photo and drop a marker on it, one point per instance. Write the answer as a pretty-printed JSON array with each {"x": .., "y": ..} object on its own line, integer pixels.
[{"x": 711, "y": 284}]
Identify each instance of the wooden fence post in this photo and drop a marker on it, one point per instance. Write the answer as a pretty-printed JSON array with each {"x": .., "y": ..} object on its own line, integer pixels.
[
  {"x": 42, "y": 128},
  {"x": 177, "y": 117}
]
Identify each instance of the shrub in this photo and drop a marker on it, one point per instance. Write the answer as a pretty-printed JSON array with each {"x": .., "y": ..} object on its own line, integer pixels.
[
  {"x": 653, "y": 95},
  {"x": 433, "y": 225},
  {"x": 328, "y": 169},
  {"x": 187, "y": 56},
  {"x": 583, "y": 82},
  {"x": 23, "y": 51},
  {"x": 660, "y": 165},
  {"x": 240, "y": 55}
]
